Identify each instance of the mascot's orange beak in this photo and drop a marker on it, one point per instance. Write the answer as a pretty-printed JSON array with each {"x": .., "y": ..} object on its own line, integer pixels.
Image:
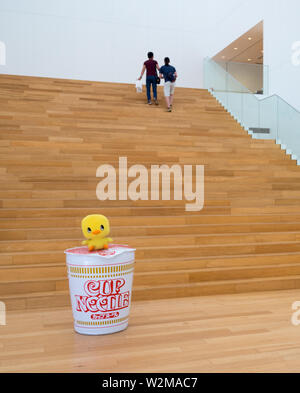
[{"x": 96, "y": 232}]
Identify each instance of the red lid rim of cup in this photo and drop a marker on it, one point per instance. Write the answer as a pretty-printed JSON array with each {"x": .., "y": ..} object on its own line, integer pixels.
[{"x": 97, "y": 252}]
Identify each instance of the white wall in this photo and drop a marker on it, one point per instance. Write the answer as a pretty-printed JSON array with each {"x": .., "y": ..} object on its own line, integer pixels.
[
  {"x": 281, "y": 31},
  {"x": 249, "y": 75},
  {"x": 107, "y": 40}
]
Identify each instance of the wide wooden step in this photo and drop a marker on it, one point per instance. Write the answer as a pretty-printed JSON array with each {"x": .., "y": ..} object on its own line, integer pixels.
[
  {"x": 119, "y": 211},
  {"x": 41, "y": 233},
  {"x": 150, "y": 211},
  {"x": 213, "y": 288},
  {"x": 195, "y": 219},
  {"x": 53, "y": 299},
  {"x": 89, "y": 195},
  {"x": 156, "y": 253},
  {"x": 57, "y": 275},
  {"x": 154, "y": 240}
]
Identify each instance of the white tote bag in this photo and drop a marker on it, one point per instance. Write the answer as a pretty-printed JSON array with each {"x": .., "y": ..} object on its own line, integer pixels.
[{"x": 139, "y": 86}]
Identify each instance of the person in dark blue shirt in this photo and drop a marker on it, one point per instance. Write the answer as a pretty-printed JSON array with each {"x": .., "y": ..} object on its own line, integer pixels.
[{"x": 169, "y": 74}]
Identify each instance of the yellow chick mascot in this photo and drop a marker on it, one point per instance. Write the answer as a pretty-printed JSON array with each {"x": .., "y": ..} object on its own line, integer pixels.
[{"x": 95, "y": 228}]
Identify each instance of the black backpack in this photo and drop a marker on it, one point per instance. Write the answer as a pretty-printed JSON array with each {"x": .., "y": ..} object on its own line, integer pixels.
[{"x": 171, "y": 77}]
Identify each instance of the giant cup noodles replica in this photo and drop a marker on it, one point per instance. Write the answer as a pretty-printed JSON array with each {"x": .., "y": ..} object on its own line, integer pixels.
[{"x": 100, "y": 281}]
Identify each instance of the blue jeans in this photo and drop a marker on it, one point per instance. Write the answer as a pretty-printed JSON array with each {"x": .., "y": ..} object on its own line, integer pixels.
[{"x": 151, "y": 80}]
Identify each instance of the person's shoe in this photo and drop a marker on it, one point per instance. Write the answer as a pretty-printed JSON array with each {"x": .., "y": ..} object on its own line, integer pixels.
[
  {"x": 169, "y": 109},
  {"x": 149, "y": 103},
  {"x": 156, "y": 102}
]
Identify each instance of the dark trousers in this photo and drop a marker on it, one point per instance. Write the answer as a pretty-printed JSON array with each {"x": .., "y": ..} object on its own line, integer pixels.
[{"x": 151, "y": 80}]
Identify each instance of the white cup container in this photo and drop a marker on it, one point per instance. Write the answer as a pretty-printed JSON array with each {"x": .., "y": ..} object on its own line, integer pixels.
[{"x": 100, "y": 288}]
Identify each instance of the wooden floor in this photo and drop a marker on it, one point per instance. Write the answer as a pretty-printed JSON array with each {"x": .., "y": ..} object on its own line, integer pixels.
[
  {"x": 54, "y": 134},
  {"x": 224, "y": 333}
]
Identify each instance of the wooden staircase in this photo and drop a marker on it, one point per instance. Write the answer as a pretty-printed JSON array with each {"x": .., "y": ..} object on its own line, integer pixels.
[{"x": 54, "y": 135}]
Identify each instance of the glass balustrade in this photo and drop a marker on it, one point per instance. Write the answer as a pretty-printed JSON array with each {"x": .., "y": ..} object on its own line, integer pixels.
[{"x": 273, "y": 116}]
